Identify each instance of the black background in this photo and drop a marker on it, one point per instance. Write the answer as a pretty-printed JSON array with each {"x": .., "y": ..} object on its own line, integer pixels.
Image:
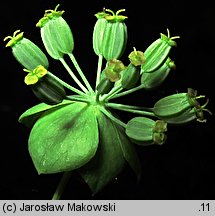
[{"x": 183, "y": 168}]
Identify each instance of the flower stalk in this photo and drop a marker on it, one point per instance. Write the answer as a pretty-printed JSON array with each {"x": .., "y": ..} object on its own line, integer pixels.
[
  {"x": 73, "y": 75},
  {"x": 99, "y": 69},
  {"x": 133, "y": 109},
  {"x": 75, "y": 63}
]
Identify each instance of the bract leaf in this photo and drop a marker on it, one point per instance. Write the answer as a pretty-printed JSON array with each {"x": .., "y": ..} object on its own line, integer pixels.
[
  {"x": 29, "y": 117},
  {"x": 129, "y": 151},
  {"x": 65, "y": 139},
  {"x": 113, "y": 152},
  {"x": 108, "y": 161}
]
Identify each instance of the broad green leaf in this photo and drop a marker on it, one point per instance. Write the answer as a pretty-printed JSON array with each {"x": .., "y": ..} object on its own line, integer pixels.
[
  {"x": 65, "y": 139},
  {"x": 113, "y": 152},
  {"x": 30, "y": 116},
  {"x": 108, "y": 161}
]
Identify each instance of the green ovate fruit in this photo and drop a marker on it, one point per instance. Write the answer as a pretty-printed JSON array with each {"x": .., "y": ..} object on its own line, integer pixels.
[
  {"x": 28, "y": 54},
  {"x": 145, "y": 131},
  {"x": 49, "y": 90},
  {"x": 110, "y": 34},
  {"x": 156, "y": 54},
  {"x": 56, "y": 34},
  {"x": 130, "y": 76},
  {"x": 181, "y": 107},
  {"x": 153, "y": 80},
  {"x": 104, "y": 86}
]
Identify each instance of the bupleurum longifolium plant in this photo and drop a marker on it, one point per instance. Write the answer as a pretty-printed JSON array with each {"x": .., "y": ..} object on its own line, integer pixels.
[{"x": 80, "y": 132}]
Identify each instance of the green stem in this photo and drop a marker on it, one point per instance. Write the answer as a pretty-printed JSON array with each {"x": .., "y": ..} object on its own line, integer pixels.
[
  {"x": 61, "y": 186},
  {"x": 97, "y": 97},
  {"x": 66, "y": 85},
  {"x": 73, "y": 75},
  {"x": 75, "y": 63},
  {"x": 109, "y": 115},
  {"x": 111, "y": 94},
  {"x": 133, "y": 109},
  {"x": 77, "y": 98},
  {"x": 99, "y": 69},
  {"x": 128, "y": 91}
]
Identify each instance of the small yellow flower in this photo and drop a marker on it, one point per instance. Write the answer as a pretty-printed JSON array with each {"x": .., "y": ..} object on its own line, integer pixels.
[{"x": 34, "y": 76}]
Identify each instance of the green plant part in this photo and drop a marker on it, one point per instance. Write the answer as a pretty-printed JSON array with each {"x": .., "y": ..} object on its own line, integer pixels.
[
  {"x": 46, "y": 88},
  {"x": 130, "y": 77},
  {"x": 14, "y": 39},
  {"x": 34, "y": 76},
  {"x": 58, "y": 40},
  {"x": 49, "y": 90},
  {"x": 78, "y": 130},
  {"x": 28, "y": 54},
  {"x": 98, "y": 32},
  {"x": 114, "y": 146},
  {"x": 181, "y": 107},
  {"x": 157, "y": 52},
  {"x": 113, "y": 69},
  {"x": 115, "y": 17},
  {"x": 49, "y": 15},
  {"x": 110, "y": 34},
  {"x": 105, "y": 86},
  {"x": 155, "y": 79},
  {"x": 71, "y": 147},
  {"x": 145, "y": 131},
  {"x": 56, "y": 34},
  {"x": 136, "y": 57}
]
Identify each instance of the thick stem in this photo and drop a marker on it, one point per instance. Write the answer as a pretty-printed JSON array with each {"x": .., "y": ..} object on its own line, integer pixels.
[
  {"x": 133, "y": 109},
  {"x": 66, "y": 85},
  {"x": 61, "y": 186},
  {"x": 73, "y": 75},
  {"x": 75, "y": 63}
]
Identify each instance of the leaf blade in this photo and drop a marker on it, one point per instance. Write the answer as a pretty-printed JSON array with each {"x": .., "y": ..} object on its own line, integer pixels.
[
  {"x": 65, "y": 139},
  {"x": 114, "y": 151},
  {"x": 29, "y": 117},
  {"x": 108, "y": 161}
]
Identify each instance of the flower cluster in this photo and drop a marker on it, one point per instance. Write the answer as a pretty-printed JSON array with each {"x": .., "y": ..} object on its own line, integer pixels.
[{"x": 80, "y": 131}]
